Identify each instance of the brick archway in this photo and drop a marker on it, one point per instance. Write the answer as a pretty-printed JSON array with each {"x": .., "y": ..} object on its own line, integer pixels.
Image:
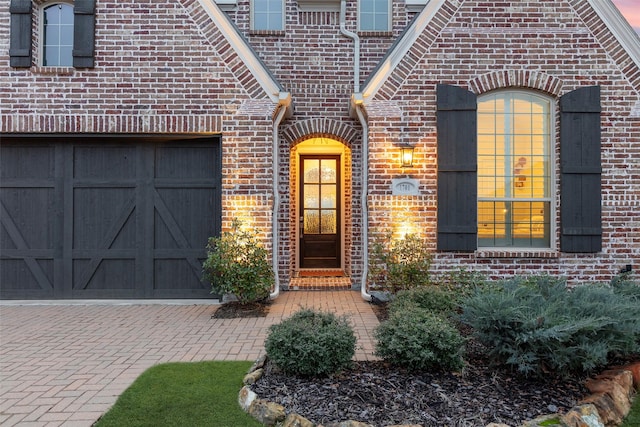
[{"x": 516, "y": 78}]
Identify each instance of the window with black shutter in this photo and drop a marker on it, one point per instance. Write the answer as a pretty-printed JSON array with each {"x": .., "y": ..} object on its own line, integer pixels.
[
  {"x": 67, "y": 34},
  {"x": 457, "y": 169},
  {"x": 580, "y": 168},
  {"x": 20, "y": 39}
]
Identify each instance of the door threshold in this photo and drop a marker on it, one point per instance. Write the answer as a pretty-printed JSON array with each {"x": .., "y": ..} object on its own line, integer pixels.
[{"x": 321, "y": 272}]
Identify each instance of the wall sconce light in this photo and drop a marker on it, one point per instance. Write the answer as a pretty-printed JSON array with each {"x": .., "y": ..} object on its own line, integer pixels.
[{"x": 406, "y": 155}]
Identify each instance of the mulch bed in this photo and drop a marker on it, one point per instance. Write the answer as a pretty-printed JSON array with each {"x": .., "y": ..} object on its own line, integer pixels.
[
  {"x": 380, "y": 394},
  {"x": 236, "y": 310}
]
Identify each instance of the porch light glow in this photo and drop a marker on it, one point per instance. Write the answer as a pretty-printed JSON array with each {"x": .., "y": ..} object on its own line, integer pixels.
[{"x": 406, "y": 153}]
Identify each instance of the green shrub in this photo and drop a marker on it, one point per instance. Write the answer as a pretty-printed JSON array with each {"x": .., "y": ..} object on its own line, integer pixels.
[
  {"x": 461, "y": 283},
  {"x": 238, "y": 264},
  {"x": 311, "y": 343},
  {"x": 430, "y": 298},
  {"x": 397, "y": 264},
  {"x": 537, "y": 325},
  {"x": 419, "y": 340}
]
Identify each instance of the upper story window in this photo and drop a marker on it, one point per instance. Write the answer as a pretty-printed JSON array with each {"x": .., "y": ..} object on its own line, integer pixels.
[
  {"x": 514, "y": 170},
  {"x": 267, "y": 15},
  {"x": 374, "y": 15},
  {"x": 57, "y": 35},
  {"x": 66, "y": 34}
]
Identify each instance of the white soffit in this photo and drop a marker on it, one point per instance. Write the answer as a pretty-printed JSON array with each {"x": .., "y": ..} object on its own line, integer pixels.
[
  {"x": 227, "y": 5},
  {"x": 415, "y": 5},
  {"x": 619, "y": 27},
  {"x": 240, "y": 46}
]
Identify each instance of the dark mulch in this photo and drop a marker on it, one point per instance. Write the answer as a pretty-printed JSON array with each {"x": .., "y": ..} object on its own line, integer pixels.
[
  {"x": 380, "y": 394},
  {"x": 235, "y": 310}
]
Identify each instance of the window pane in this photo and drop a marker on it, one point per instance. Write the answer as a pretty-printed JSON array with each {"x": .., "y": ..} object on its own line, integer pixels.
[
  {"x": 328, "y": 196},
  {"x": 311, "y": 196},
  {"x": 311, "y": 222},
  {"x": 311, "y": 171},
  {"x": 58, "y": 35},
  {"x": 514, "y": 180},
  {"x": 329, "y": 174},
  {"x": 374, "y": 15},
  {"x": 267, "y": 14},
  {"x": 329, "y": 223}
]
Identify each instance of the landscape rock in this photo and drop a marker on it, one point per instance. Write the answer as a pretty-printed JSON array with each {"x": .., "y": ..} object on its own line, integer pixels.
[
  {"x": 295, "y": 420},
  {"x": 252, "y": 377},
  {"x": 246, "y": 398},
  {"x": 268, "y": 413},
  {"x": 583, "y": 416},
  {"x": 611, "y": 395}
]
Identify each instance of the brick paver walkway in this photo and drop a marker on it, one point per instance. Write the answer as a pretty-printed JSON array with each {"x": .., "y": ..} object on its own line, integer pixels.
[{"x": 67, "y": 364}]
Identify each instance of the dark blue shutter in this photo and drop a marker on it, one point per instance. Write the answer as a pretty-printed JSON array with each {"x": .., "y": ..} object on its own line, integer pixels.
[
  {"x": 20, "y": 39},
  {"x": 580, "y": 168},
  {"x": 84, "y": 19},
  {"x": 457, "y": 169}
]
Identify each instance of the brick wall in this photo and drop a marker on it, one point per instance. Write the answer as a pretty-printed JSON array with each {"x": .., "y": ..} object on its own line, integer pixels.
[{"x": 163, "y": 67}]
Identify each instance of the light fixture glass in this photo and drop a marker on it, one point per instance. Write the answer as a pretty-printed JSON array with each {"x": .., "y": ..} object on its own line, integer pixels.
[{"x": 406, "y": 152}]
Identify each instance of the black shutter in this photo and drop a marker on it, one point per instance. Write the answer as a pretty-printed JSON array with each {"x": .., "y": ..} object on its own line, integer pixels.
[
  {"x": 457, "y": 169},
  {"x": 20, "y": 43},
  {"x": 580, "y": 168},
  {"x": 84, "y": 13}
]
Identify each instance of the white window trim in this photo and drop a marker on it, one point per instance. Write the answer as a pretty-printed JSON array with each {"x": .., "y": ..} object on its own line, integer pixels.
[
  {"x": 252, "y": 19},
  {"x": 554, "y": 183},
  {"x": 40, "y": 35},
  {"x": 389, "y": 17}
]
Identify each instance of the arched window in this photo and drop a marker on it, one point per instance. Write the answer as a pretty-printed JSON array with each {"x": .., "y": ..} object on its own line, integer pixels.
[
  {"x": 514, "y": 170},
  {"x": 57, "y": 31}
]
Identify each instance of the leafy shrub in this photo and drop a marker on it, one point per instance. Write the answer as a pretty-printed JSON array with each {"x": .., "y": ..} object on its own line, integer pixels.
[
  {"x": 396, "y": 264},
  {"x": 419, "y": 339},
  {"x": 430, "y": 298},
  {"x": 311, "y": 343},
  {"x": 238, "y": 264},
  {"x": 538, "y": 325}
]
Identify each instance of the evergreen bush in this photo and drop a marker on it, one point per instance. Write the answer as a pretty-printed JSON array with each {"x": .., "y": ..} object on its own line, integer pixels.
[
  {"x": 311, "y": 343},
  {"x": 419, "y": 339},
  {"x": 238, "y": 264},
  {"x": 537, "y": 325}
]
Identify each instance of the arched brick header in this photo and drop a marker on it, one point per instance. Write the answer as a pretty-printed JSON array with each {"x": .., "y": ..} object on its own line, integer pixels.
[
  {"x": 319, "y": 127},
  {"x": 516, "y": 78}
]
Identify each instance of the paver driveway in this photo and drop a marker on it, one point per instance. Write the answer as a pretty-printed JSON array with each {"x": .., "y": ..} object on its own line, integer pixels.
[{"x": 67, "y": 364}]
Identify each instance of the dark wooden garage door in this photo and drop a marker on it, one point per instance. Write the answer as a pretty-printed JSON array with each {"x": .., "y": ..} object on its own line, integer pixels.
[{"x": 89, "y": 217}]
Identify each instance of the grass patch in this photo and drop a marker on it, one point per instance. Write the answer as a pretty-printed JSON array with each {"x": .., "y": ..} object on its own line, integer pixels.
[
  {"x": 179, "y": 394},
  {"x": 633, "y": 418}
]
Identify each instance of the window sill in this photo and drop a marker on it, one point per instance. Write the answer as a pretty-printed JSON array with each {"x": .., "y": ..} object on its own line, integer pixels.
[
  {"x": 57, "y": 71},
  {"x": 276, "y": 33},
  {"x": 365, "y": 34},
  {"x": 517, "y": 253}
]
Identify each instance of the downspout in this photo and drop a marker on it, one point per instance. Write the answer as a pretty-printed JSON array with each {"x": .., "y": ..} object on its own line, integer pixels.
[
  {"x": 358, "y": 104},
  {"x": 284, "y": 102},
  {"x": 356, "y": 45}
]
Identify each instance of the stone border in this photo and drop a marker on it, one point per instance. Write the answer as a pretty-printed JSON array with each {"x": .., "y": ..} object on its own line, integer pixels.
[{"x": 612, "y": 393}]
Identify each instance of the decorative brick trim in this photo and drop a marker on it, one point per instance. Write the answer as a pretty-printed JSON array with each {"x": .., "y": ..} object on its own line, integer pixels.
[
  {"x": 516, "y": 78},
  {"x": 517, "y": 254},
  {"x": 320, "y": 127},
  {"x": 20, "y": 123}
]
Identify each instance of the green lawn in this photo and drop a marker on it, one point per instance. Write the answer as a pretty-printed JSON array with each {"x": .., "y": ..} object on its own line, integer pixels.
[
  {"x": 633, "y": 419},
  {"x": 180, "y": 394}
]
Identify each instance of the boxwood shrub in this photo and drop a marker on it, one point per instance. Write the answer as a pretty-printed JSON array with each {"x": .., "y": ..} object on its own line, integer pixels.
[
  {"x": 311, "y": 343},
  {"x": 419, "y": 339}
]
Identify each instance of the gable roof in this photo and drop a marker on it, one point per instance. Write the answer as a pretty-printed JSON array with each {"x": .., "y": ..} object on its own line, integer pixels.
[
  {"x": 247, "y": 55},
  {"x": 605, "y": 9}
]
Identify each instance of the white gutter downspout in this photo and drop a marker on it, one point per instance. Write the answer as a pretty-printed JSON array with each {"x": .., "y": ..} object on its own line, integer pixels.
[
  {"x": 356, "y": 45},
  {"x": 284, "y": 102},
  {"x": 358, "y": 102}
]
